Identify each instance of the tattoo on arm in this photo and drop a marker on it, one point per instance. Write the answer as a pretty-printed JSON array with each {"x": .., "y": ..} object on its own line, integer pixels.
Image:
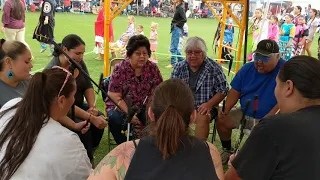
[
  {"x": 118, "y": 159},
  {"x": 217, "y": 162}
]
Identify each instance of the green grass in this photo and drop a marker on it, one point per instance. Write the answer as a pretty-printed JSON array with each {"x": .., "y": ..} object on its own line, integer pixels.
[{"x": 83, "y": 25}]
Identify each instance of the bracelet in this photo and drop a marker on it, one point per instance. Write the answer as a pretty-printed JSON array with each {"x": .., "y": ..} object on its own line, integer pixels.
[
  {"x": 119, "y": 101},
  {"x": 89, "y": 117}
]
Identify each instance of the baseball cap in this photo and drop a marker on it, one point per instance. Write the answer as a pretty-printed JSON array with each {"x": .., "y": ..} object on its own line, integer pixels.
[{"x": 266, "y": 48}]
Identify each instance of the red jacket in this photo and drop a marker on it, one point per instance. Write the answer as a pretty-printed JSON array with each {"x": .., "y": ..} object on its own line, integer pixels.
[{"x": 99, "y": 26}]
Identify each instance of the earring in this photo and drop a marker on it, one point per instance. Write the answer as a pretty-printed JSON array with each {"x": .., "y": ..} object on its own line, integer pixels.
[{"x": 10, "y": 74}]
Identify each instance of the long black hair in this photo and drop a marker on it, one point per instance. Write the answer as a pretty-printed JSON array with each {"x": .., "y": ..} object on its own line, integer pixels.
[
  {"x": 71, "y": 41},
  {"x": 304, "y": 72},
  {"x": 32, "y": 113},
  {"x": 172, "y": 105}
]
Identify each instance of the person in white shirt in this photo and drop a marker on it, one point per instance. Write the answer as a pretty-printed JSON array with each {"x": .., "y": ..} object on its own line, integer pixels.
[{"x": 33, "y": 144}]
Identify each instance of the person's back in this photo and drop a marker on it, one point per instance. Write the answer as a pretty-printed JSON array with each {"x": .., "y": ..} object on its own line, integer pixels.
[
  {"x": 298, "y": 148},
  {"x": 10, "y": 19},
  {"x": 286, "y": 145},
  {"x": 167, "y": 151},
  {"x": 56, "y": 154},
  {"x": 290, "y": 145},
  {"x": 192, "y": 161}
]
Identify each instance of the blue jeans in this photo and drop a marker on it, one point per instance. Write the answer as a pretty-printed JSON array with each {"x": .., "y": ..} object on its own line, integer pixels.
[
  {"x": 176, "y": 33},
  {"x": 116, "y": 124}
]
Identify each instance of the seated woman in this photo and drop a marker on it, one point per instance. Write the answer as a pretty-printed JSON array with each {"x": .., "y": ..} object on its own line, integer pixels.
[
  {"x": 74, "y": 47},
  {"x": 135, "y": 76},
  {"x": 15, "y": 67},
  {"x": 120, "y": 45},
  {"x": 168, "y": 151},
  {"x": 286, "y": 146},
  {"x": 33, "y": 144}
]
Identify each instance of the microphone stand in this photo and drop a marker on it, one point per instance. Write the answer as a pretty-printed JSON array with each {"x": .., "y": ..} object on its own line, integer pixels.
[{"x": 128, "y": 116}]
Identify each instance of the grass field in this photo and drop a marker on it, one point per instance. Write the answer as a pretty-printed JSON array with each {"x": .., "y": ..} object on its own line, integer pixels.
[{"x": 83, "y": 25}]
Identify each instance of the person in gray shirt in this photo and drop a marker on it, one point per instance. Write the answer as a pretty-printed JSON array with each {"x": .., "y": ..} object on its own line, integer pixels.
[
  {"x": 15, "y": 67},
  {"x": 8, "y": 92}
]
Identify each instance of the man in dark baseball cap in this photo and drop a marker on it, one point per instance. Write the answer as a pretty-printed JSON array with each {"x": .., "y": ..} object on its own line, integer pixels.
[
  {"x": 254, "y": 78},
  {"x": 267, "y": 48},
  {"x": 266, "y": 56}
]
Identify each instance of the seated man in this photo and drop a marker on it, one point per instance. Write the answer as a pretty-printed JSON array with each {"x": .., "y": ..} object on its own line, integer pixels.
[
  {"x": 257, "y": 78},
  {"x": 285, "y": 146},
  {"x": 207, "y": 81}
]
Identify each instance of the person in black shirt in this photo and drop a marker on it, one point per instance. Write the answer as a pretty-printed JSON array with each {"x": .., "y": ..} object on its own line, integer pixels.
[
  {"x": 74, "y": 47},
  {"x": 177, "y": 23},
  {"x": 44, "y": 31},
  {"x": 167, "y": 151},
  {"x": 286, "y": 146}
]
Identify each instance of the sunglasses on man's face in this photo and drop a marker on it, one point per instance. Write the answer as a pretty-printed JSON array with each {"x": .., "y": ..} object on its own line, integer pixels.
[{"x": 257, "y": 57}]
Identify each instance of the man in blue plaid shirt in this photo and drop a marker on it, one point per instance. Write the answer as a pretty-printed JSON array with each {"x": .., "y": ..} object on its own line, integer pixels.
[{"x": 207, "y": 81}]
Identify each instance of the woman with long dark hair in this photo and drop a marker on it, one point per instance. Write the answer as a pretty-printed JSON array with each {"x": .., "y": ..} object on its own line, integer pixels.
[
  {"x": 15, "y": 67},
  {"x": 33, "y": 144},
  {"x": 13, "y": 21},
  {"x": 75, "y": 47},
  {"x": 168, "y": 151},
  {"x": 286, "y": 146}
]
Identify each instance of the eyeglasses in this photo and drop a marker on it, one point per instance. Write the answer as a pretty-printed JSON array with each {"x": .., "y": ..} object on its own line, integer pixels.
[
  {"x": 144, "y": 54},
  {"x": 196, "y": 53},
  {"x": 67, "y": 77}
]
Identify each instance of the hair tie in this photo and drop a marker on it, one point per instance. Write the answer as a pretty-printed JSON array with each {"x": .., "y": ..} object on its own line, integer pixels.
[
  {"x": 171, "y": 106},
  {"x": 2, "y": 41}
]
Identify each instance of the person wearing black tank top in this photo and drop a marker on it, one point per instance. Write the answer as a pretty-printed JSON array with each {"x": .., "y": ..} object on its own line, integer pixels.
[
  {"x": 167, "y": 151},
  {"x": 286, "y": 146}
]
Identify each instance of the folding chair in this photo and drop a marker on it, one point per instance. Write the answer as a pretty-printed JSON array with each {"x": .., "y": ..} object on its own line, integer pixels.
[
  {"x": 113, "y": 62},
  {"x": 106, "y": 81}
]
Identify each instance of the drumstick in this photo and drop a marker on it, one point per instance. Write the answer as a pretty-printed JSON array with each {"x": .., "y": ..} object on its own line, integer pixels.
[
  {"x": 255, "y": 109},
  {"x": 241, "y": 126},
  {"x": 255, "y": 106},
  {"x": 214, "y": 133}
]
